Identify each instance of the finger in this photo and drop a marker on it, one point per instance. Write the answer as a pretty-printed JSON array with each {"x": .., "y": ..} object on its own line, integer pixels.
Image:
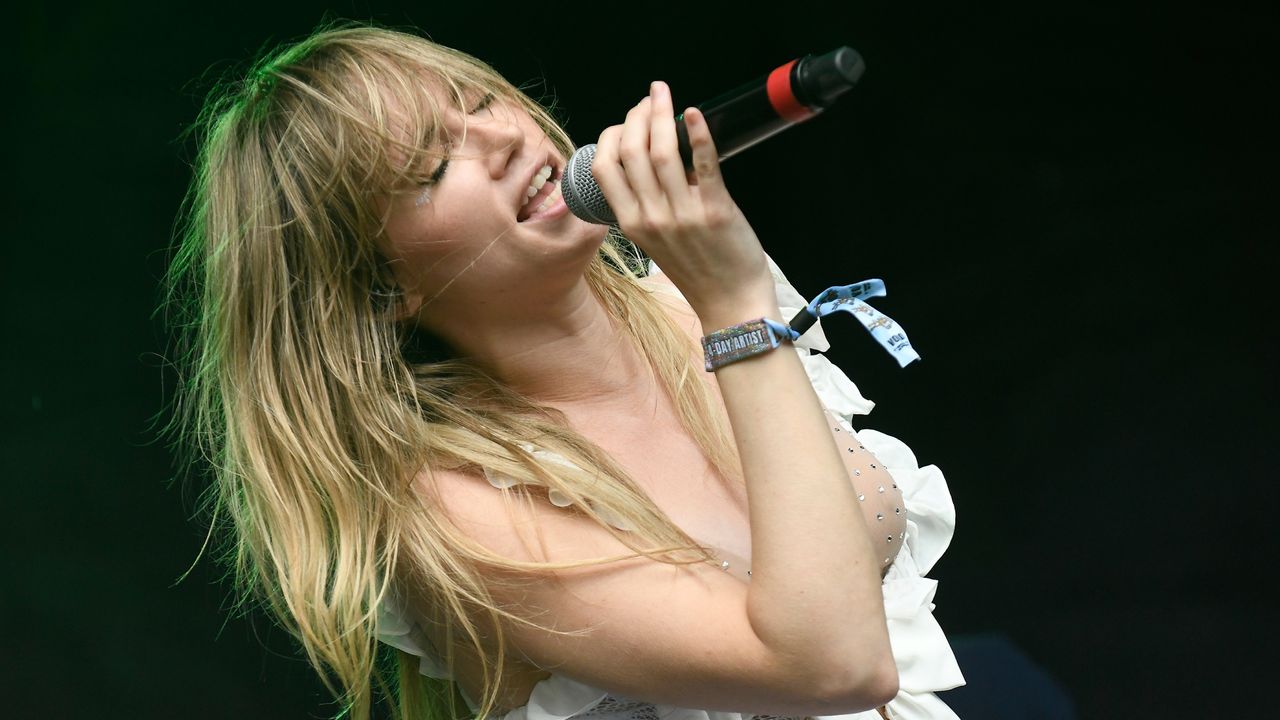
[
  {"x": 664, "y": 148},
  {"x": 607, "y": 171},
  {"x": 634, "y": 151},
  {"x": 706, "y": 160}
]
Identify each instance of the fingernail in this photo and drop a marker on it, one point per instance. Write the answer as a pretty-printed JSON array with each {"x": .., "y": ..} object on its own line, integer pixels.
[{"x": 655, "y": 86}]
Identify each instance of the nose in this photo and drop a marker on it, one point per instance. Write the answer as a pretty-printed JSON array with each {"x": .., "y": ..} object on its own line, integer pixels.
[{"x": 504, "y": 138}]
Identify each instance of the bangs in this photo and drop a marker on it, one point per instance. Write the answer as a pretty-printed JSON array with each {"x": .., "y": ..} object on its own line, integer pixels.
[
  {"x": 405, "y": 104},
  {"x": 361, "y": 116}
]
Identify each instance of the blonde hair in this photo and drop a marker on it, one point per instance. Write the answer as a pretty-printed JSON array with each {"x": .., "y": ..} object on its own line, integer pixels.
[{"x": 315, "y": 409}]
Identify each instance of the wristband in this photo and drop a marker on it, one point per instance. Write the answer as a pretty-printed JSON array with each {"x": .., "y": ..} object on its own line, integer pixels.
[
  {"x": 743, "y": 340},
  {"x": 763, "y": 334}
]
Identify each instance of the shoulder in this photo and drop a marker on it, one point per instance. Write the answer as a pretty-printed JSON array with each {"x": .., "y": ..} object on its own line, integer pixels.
[{"x": 670, "y": 297}]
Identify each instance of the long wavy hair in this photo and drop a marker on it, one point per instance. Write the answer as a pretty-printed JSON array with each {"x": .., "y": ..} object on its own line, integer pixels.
[{"x": 314, "y": 410}]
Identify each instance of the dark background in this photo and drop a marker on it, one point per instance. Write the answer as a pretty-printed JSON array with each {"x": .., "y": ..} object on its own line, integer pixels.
[{"x": 1065, "y": 201}]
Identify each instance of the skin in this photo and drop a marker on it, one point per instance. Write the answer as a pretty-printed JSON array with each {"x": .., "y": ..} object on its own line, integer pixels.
[
  {"x": 514, "y": 297},
  {"x": 511, "y": 295}
]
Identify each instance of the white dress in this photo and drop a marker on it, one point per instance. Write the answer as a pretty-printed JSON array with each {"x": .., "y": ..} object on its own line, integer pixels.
[{"x": 924, "y": 659}]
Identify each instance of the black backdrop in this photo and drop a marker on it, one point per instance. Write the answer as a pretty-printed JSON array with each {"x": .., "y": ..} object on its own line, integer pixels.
[{"x": 1064, "y": 199}]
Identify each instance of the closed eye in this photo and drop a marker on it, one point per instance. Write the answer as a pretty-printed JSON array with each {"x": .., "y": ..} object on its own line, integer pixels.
[
  {"x": 434, "y": 178},
  {"x": 485, "y": 102}
]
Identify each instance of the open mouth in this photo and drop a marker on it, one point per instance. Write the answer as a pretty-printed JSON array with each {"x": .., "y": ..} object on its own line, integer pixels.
[{"x": 550, "y": 191}]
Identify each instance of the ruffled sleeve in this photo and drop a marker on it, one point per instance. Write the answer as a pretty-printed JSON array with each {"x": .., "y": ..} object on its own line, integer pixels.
[
  {"x": 555, "y": 698},
  {"x": 558, "y": 697},
  {"x": 397, "y": 628}
]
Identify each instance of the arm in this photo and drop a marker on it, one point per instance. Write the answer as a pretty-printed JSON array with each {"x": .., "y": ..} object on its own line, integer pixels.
[
  {"x": 815, "y": 578},
  {"x": 815, "y": 592}
]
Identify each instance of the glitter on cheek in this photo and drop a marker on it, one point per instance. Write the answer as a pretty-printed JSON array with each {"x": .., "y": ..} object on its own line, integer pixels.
[{"x": 423, "y": 198}]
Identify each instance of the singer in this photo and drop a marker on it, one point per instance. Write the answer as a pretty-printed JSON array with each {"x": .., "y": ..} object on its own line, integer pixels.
[{"x": 465, "y": 443}]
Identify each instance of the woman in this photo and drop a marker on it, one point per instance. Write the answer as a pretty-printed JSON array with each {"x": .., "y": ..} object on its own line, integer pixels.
[{"x": 445, "y": 413}]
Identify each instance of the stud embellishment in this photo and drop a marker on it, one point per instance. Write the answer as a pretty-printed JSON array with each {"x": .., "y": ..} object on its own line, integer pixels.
[
  {"x": 873, "y": 466},
  {"x": 724, "y": 564},
  {"x": 880, "y": 488},
  {"x": 897, "y": 511},
  {"x": 861, "y": 496},
  {"x": 879, "y": 516},
  {"x": 748, "y": 573},
  {"x": 888, "y": 538},
  {"x": 857, "y": 472}
]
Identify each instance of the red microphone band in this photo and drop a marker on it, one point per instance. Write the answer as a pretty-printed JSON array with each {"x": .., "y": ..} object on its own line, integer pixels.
[{"x": 782, "y": 98}]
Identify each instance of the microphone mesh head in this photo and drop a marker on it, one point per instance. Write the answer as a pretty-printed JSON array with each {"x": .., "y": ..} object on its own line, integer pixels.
[{"x": 580, "y": 191}]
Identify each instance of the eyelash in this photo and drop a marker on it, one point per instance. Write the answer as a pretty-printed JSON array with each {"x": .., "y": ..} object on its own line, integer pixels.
[{"x": 439, "y": 172}]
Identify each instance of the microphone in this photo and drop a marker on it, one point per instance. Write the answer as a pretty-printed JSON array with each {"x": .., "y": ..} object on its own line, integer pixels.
[{"x": 789, "y": 94}]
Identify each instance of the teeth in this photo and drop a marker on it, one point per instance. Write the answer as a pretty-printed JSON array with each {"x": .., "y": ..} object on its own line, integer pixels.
[
  {"x": 555, "y": 193},
  {"x": 539, "y": 180}
]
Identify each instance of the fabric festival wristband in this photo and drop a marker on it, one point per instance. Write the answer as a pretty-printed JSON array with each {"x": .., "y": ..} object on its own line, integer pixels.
[
  {"x": 754, "y": 337},
  {"x": 848, "y": 298},
  {"x": 742, "y": 341}
]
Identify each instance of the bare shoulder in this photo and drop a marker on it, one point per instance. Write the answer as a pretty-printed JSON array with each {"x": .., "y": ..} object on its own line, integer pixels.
[
  {"x": 687, "y": 626},
  {"x": 672, "y": 299}
]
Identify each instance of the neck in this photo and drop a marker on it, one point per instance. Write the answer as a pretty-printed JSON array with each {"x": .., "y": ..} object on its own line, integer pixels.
[{"x": 560, "y": 349}]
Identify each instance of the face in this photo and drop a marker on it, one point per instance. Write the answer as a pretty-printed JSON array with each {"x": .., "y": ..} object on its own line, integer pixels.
[{"x": 463, "y": 237}]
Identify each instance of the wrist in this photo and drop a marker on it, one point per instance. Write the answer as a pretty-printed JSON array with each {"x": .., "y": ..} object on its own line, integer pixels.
[
  {"x": 744, "y": 340},
  {"x": 727, "y": 314}
]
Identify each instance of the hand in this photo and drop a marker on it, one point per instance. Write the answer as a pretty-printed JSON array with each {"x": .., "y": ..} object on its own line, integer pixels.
[{"x": 686, "y": 222}]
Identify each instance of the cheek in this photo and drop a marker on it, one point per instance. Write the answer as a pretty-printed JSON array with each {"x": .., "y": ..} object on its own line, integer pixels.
[
  {"x": 422, "y": 248},
  {"x": 403, "y": 242}
]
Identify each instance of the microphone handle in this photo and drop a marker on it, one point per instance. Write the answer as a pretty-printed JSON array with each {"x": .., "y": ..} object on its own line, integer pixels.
[{"x": 791, "y": 93}]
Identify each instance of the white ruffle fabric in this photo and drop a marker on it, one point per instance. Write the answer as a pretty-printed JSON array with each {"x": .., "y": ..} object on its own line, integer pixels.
[{"x": 925, "y": 662}]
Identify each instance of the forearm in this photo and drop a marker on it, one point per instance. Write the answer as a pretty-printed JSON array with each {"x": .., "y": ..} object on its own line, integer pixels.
[{"x": 815, "y": 592}]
